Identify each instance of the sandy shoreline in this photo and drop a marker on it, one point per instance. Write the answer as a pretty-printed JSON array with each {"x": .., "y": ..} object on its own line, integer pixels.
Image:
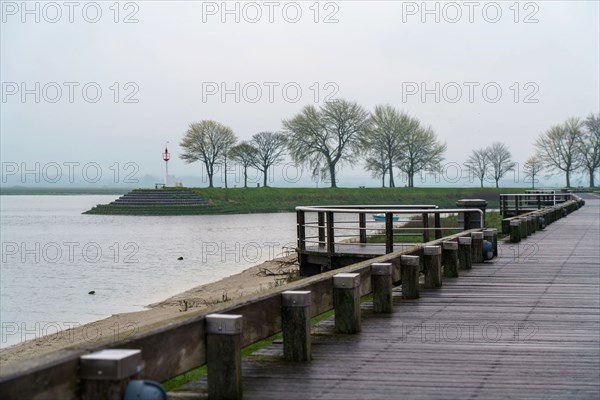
[{"x": 183, "y": 305}]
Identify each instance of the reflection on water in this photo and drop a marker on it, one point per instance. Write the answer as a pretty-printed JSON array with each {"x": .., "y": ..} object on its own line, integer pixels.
[{"x": 52, "y": 256}]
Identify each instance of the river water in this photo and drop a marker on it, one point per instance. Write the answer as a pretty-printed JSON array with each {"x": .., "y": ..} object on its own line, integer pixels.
[{"x": 53, "y": 256}]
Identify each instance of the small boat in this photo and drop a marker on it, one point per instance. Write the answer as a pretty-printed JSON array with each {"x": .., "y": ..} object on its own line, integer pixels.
[{"x": 381, "y": 217}]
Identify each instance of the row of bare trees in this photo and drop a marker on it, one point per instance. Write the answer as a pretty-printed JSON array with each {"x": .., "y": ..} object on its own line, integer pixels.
[
  {"x": 323, "y": 139},
  {"x": 214, "y": 144},
  {"x": 337, "y": 133}
]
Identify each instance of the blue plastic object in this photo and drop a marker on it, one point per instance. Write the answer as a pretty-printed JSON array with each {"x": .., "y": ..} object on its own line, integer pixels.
[
  {"x": 488, "y": 250},
  {"x": 144, "y": 390},
  {"x": 541, "y": 222},
  {"x": 564, "y": 212}
]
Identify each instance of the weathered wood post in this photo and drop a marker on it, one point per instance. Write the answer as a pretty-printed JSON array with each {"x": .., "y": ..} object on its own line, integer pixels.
[
  {"x": 105, "y": 374},
  {"x": 409, "y": 274},
  {"x": 389, "y": 232},
  {"x": 321, "y": 229},
  {"x": 381, "y": 285},
  {"x": 524, "y": 232},
  {"x": 450, "y": 258},
  {"x": 432, "y": 265},
  {"x": 533, "y": 222},
  {"x": 362, "y": 227},
  {"x": 346, "y": 301},
  {"x": 295, "y": 324},
  {"x": 464, "y": 252},
  {"x": 301, "y": 229},
  {"x": 330, "y": 234},
  {"x": 515, "y": 230},
  {"x": 438, "y": 224},
  {"x": 491, "y": 235},
  {"x": 223, "y": 356},
  {"x": 477, "y": 247}
]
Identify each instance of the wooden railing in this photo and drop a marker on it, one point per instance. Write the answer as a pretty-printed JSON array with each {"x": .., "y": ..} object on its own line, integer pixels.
[
  {"x": 569, "y": 201},
  {"x": 515, "y": 204}
]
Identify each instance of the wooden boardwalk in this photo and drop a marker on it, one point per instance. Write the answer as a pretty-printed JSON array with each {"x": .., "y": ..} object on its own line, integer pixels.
[{"x": 526, "y": 325}]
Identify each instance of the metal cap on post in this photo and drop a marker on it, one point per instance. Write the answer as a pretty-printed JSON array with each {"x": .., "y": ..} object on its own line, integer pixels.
[
  {"x": 346, "y": 281},
  {"x": 110, "y": 364},
  {"x": 105, "y": 374},
  {"x": 224, "y": 324}
]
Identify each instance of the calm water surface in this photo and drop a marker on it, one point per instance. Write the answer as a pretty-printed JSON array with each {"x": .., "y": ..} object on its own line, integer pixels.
[{"x": 52, "y": 256}]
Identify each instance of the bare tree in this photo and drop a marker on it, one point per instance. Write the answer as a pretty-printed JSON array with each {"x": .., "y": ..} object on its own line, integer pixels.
[
  {"x": 377, "y": 163},
  {"x": 382, "y": 142},
  {"x": 326, "y": 137},
  {"x": 270, "y": 148},
  {"x": 478, "y": 163},
  {"x": 500, "y": 161},
  {"x": 207, "y": 141},
  {"x": 419, "y": 148},
  {"x": 589, "y": 146},
  {"x": 532, "y": 167},
  {"x": 557, "y": 148},
  {"x": 243, "y": 154}
]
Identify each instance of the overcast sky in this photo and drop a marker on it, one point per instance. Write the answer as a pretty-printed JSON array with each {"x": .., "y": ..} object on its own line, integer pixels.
[{"x": 477, "y": 72}]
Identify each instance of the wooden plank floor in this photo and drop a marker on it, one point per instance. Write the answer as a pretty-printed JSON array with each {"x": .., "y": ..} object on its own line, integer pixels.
[{"x": 526, "y": 325}]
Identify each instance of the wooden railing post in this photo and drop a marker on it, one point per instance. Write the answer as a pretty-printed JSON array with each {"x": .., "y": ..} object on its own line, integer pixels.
[
  {"x": 346, "y": 302},
  {"x": 450, "y": 258},
  {"x": 425, "y": 217},
  {"x": 223, "y": 356},
  {"x": 330, "y": 234},
  {"x": 381, "y": 286},
  {"x": 464, "y": 252},
  {"x": 432, "y": 266},
  {"x": 300, "y": 220},
  {"x": 321, "y": 228},
  {"x": 389, "y": 232},
  {"x": 362, "y": 226},
  {"x": 295, "y": 324},
  {"x": 105, "y": 374},
  {"x": 409, "y": 274},
  {"x": 438, "y": 224},
  {"x": 477, "y": 247}
]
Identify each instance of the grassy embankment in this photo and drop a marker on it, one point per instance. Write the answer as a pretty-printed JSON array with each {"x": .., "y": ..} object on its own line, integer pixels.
[{"x": 270, "y": 200}]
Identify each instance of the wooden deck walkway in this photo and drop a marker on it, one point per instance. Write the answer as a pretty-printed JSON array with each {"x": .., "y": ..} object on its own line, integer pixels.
[{"x": 526, "y": 325}]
